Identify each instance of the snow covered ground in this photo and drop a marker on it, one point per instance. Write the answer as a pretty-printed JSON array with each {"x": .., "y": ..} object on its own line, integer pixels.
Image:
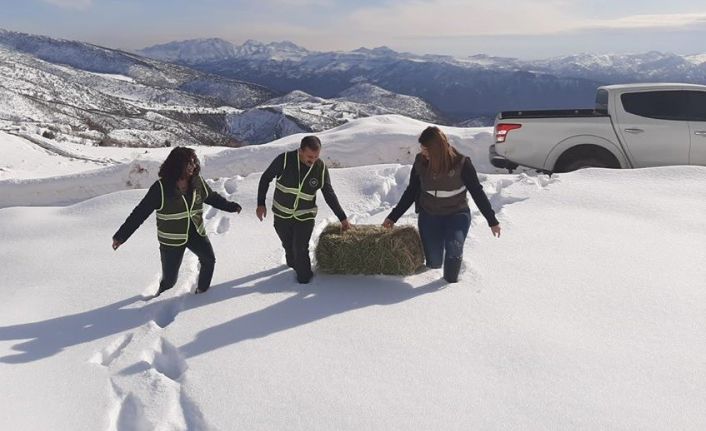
[
  {"x": 93, "y": 171},
  {"x": 588, "y": 313}
]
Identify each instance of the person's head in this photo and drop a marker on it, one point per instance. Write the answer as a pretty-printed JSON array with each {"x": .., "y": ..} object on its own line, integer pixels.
[
  {"x": 309, "y": 150},
  {"x": 180, "y": 163},
  {"x": 435, "y": 148}
]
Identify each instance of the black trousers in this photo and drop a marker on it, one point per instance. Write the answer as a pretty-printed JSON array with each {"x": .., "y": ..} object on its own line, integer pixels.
[
  {"x": 172, "y": 257},
  {"x": 295, "y": 236}
]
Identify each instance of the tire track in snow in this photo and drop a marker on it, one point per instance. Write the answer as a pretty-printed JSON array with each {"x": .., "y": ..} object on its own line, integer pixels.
[{"x": 61, "y": 152}]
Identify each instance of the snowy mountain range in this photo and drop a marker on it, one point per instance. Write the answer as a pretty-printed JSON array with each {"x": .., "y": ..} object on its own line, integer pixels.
[
  {"x": 145, "y": 71},
  {"x": 197, "y": 51},
  {"x": 254, "y": 93},
  {"x": 461, "y": 88},
  {"x": 650, "y": 66},
  {"x": 94, "y": 95}
]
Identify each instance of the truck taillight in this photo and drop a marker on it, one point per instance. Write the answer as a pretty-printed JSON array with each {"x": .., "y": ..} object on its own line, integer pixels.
[{"x": 501, "y": 131}]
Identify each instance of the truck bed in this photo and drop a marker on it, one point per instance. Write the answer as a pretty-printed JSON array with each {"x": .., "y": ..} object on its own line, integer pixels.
[
  {"x": 533, "y": 143},
  {"x": 553, "y": 113}
]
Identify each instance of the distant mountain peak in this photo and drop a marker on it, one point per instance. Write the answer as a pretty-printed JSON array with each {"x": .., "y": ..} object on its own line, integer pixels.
[
  {"x": 380, "y": 50},
  {"x": 365, "y": 89},
  {"x": 253, "y": 43},
  {"x": 293, "y": 97},
  {"x": 283, "y": 50},
  {"x": 191, "y": 50}
]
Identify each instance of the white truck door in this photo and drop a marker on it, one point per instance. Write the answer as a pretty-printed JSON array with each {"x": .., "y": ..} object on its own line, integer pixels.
[
  {"x": 652, "y": 125},
  {"x": 697, "y": 127}
]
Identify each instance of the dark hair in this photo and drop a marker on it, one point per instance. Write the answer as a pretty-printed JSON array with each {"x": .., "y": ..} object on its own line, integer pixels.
[
  {"x": 311, "y": 142},
  {"x": 442, "y": 156},
  {"x": 173, "y": 167}
]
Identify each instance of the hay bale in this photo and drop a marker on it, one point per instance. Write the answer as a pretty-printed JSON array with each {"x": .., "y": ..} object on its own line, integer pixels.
[{"x": 369, "y": 249}]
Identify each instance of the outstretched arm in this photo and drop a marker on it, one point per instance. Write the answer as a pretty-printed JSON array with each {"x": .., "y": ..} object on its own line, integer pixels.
[
  {"x": 217, "y": 201},
  {"x": 149, "y": 203},
  {"x": 408, "y": 197}
]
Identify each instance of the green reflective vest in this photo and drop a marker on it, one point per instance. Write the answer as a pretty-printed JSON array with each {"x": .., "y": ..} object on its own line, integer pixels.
[
  {"x": 295, "y": 190},
  {"x": 176, "y": 213}
]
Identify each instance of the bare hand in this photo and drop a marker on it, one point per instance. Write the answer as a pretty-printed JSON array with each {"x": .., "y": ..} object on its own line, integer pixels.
[
  {"x": 388, "y": 224},
  {"x": 116, "y": 244},
  {"x": 496, "y": 230},
  {"x": 345, "y": 225},
  {"x": 261, "y": 212}
]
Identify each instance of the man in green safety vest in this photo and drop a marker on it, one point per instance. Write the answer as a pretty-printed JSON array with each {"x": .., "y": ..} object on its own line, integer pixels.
[{"x": 300, "y": 173}]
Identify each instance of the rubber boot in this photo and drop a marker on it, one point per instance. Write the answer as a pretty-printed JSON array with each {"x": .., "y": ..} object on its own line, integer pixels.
[{"x": 452, "y": 266}]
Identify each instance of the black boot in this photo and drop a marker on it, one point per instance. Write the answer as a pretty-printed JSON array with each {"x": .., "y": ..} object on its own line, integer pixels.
[
  {"x": 305, "y": 278},
  {"x": 452, "y": 266},
  {"x": 162, "y": 289}
]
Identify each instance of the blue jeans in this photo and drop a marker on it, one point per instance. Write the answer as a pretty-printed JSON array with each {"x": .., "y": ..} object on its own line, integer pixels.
[{"x": 443, "y": 233}]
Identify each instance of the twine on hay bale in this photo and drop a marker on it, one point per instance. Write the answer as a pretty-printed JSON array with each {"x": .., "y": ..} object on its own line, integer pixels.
[{"x": 369, "y": 249}]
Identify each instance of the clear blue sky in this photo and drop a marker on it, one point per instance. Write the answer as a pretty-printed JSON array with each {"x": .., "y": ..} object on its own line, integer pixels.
[{"x": 525, "y": 29}]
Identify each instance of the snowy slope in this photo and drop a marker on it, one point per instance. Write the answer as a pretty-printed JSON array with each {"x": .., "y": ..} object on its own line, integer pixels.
[
  {"x": 380, "y": 139},
  {"x": 299, "y": 112},
  {"x": 91, "y": 58},
  {"x": 94, "y": 95},
  {"x": 95, "y": 108},
  {"x": 586, "y": 314},
  {"x": 401, "y": 104},
  {"x": 23, "y": 159}
]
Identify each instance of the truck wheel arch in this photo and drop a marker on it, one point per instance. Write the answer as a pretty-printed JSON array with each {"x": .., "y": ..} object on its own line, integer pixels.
[{"x": 585, "y": 144}]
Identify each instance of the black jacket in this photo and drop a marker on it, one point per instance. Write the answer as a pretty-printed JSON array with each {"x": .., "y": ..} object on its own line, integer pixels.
[
  {"x": 470, "y": 179},
  {"x": 275, "y": 170},
  {"x": 153, "y": 200}
]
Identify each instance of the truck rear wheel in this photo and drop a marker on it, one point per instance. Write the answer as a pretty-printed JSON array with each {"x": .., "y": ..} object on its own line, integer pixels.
[{"x": 585, "y": 156}]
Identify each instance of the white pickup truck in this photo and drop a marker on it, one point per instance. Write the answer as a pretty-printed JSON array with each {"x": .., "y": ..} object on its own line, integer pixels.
[{"x": 632, "y": 126}]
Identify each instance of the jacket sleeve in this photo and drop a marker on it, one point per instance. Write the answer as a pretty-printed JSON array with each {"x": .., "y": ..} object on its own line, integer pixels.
[
  {"x": 270, "y": 173},
  {"x": 331, "y": 198},
  {"x": 470, "y": 179},
  {"x": 408, "y": 197},
  {"x": 216, "y": 200},
  {"x": 152, "y": 201}
]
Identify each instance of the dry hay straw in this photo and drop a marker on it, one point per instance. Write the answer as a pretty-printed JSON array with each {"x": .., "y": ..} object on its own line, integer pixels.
[{"x": 369, "y": 249}]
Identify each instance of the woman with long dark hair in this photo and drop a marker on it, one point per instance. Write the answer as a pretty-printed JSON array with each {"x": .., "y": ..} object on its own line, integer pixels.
[
  {"x": 178, "y": 197},
  {"x": 438, "y": 183}
]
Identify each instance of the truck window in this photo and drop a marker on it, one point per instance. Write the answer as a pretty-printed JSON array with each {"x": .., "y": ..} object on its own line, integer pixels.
[
  {"x": 662, "y": 105},
  {"x": 697, "y": 105},
  {"x": 602, "y": 101}
]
